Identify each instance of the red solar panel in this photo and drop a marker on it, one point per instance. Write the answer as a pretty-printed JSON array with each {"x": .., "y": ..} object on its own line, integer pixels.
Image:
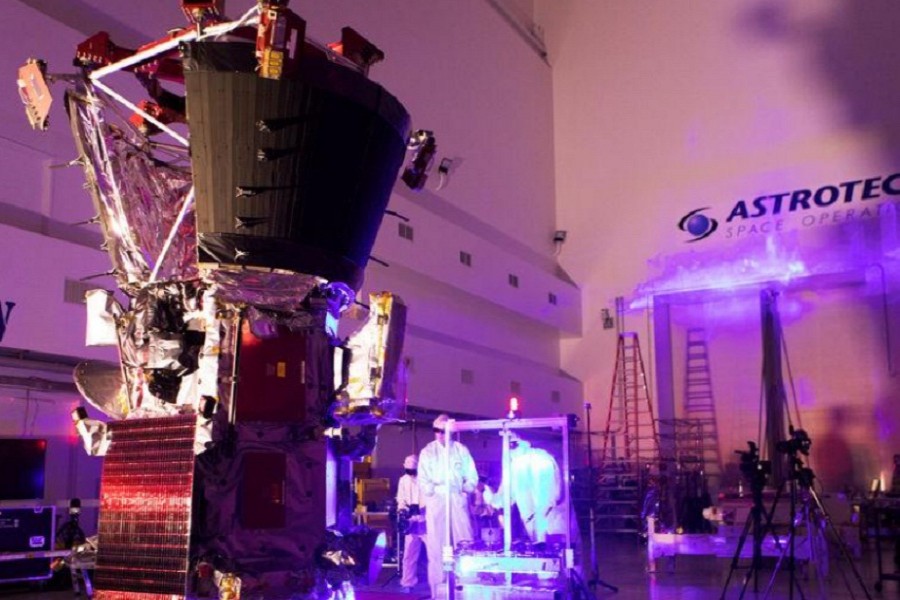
[{"x": 145, "y": 510}]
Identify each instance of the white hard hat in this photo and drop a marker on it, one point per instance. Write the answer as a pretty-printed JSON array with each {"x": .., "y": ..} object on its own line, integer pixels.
[
  {"x": 410, "y": 462},
  {"x": 441, "y": 421}
]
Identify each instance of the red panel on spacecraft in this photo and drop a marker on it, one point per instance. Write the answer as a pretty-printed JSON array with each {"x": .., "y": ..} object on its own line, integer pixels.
[
  {"x": 262, "y": 490},
  {"x": 272, "y": 374}
]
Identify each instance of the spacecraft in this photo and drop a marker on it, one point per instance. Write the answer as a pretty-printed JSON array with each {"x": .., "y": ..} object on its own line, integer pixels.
[{"x": 239, "y": 202}]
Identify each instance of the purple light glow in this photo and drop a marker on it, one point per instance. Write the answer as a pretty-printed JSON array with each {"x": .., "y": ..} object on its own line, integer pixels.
[
  {"x": 721, "y": 272},
  {"x": 739, "y": 309},
  {"x": 887, "y": 425},
  {"x": 817, "y": 257}
]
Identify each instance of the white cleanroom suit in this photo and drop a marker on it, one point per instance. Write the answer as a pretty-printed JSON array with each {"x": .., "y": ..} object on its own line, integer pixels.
[
  {"x": 434, "y": 481},
  {"x": 408, "y": 495},
  {"x": 536, "y": 488}
]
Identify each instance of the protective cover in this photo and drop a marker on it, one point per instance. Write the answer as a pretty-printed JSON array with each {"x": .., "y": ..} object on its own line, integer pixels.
[
  {"x": 138, "y": 197},
  {"x": 273, "y": 552}
]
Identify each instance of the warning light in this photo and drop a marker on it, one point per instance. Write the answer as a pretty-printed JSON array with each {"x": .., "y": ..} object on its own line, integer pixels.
[{"x": 514, "y": 412}]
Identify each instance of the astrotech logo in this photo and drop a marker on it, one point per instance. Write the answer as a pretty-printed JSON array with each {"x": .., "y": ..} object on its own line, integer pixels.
[
  {"x": 833, "y": 203},
  {"x": 698, "y": 225}
]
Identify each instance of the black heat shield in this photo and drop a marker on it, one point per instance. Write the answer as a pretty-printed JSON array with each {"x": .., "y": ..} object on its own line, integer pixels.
[{"x": 293, "y": 173}]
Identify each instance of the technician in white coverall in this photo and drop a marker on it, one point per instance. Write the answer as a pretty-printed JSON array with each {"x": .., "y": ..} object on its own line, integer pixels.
[
  {"x": 536, "y": 488},
  {"x": 434, "y": 480},
  {"x": 408, "y": 499}
]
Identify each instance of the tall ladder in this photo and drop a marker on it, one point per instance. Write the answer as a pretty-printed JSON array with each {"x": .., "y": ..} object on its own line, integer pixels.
[
  {"x": 699, "y": 404},
  {"x": 630, "y": 443}
]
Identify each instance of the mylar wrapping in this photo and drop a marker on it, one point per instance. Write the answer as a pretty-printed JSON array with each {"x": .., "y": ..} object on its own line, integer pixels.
[
  {"x": 375, "y": 386},
  {"x": 138, "y": 195}
]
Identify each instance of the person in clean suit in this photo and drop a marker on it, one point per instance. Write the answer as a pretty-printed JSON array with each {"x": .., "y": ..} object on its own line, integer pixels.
[
  {"x": 409, "y": 500},
  {"x": 536, "y": 489},
  {"x": 434, "y": 481}
]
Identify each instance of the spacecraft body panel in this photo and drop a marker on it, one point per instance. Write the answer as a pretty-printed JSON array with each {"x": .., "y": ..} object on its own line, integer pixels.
[
  {"x": 286, "y": 377},
  {"x": 260, "y": 508}
]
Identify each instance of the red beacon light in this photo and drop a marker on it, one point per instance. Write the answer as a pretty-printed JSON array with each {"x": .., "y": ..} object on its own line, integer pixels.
[{"x": 514, "y": 412}]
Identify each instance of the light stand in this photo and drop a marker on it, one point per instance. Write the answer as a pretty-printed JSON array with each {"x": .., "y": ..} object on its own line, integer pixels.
[
  {"x": 792, "y": 582},
  {"x": 840, "y": 542},
  {"x": 790, "y": 549},
  {"x": 595, "y": 579},
  {"x": 778, "y": 415},
  {"x": 399, "y": 547}
]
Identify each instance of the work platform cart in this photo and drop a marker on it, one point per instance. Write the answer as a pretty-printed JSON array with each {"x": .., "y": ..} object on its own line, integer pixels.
[{"x": 520, "y": 569}]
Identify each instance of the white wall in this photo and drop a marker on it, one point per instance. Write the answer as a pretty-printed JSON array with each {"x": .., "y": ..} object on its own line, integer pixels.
[
  {"x": 661, "y": 109},
  {"x": 34, "y": 276}
]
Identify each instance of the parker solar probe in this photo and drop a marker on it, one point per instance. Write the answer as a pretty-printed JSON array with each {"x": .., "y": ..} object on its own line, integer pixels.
[{"x": 239, "y": 202}]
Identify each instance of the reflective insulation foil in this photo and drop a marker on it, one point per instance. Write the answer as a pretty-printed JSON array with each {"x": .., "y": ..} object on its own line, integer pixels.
[{"x": 137, "y": 194}]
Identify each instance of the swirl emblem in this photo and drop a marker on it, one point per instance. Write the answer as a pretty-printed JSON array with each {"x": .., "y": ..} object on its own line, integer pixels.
[{"x": 698, "y": 225}]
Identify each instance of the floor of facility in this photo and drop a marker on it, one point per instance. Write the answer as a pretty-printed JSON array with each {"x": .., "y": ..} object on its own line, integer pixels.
[{"x": 623, "y": 563}]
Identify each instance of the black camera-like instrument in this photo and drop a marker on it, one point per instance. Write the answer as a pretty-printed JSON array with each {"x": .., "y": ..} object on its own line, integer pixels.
[
  {"x": 756, "y": 471},
  {"x": 797, "y": 442}
]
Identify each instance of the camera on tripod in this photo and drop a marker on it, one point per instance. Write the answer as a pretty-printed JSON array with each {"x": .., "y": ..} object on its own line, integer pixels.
[
  {"x": 797, "y": 442},
  {"x": 752, "y": 468}
]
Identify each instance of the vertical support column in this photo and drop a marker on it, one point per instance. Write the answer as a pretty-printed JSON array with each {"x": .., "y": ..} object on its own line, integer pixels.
[
  {"x": 506, "y": 478},
  {"x": 773, "y": 385},
  {"x": 448, "y": 555},
  {"x": 665, "y": 381}
]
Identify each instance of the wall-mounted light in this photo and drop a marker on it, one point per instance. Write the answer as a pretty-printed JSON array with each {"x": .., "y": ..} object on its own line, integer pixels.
[
  {"x": 608, "y": 321},
  {"x": 559, "y": 237},
  {"x": 444, "y": 172}
]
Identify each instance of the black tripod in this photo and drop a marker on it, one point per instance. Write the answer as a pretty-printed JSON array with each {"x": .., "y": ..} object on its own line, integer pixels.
[
  {"x": 595, "y": 579},
  {"x": 399, "y": 518},
  {"x": 802, "y": 478},
  {"x": 756, "y": 472}
]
